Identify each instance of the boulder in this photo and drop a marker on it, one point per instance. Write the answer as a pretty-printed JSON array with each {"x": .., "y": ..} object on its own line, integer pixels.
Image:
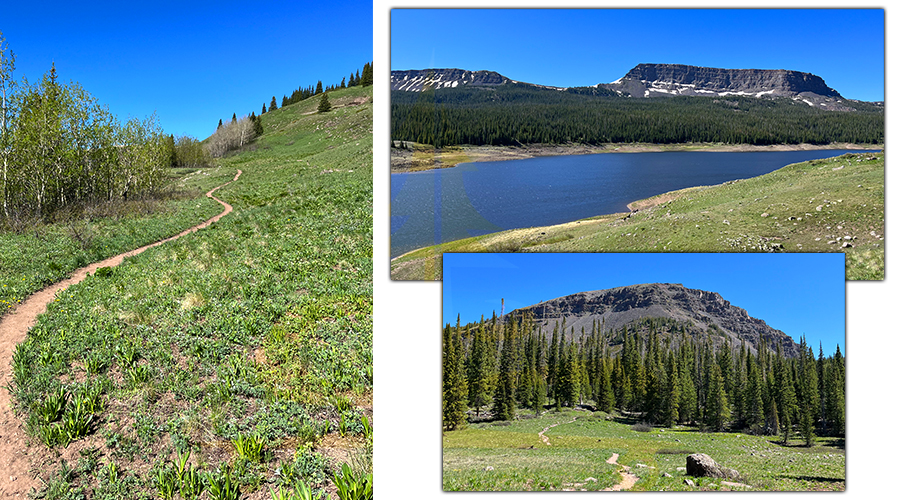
[{"x": 702, "y": 465}]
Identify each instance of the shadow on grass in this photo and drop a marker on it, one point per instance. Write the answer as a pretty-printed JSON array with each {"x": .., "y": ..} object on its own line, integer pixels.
[{"x": 818, "y": 479}]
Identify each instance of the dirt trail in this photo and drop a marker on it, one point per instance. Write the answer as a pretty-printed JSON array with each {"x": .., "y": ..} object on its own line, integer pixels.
[
  {"x": 544, "y": 438},
  {"x": 628, "y": 479},
  {"x": 15, "y": 461}
]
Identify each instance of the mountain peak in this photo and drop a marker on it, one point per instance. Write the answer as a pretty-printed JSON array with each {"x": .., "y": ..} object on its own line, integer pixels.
[
  {"x": 700, "y": 312},
  {"x": 421, "y": 79},
  {"x": 651, "y": 80}
]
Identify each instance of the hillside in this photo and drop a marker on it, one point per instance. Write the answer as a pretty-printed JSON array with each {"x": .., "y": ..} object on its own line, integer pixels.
[
  {"x": 450, "y": 107},
  {"x": 829, "y": 205},
  {"x": 241, "y": 353},
  {"x": 697, "y": 312},
  {"x": 655, "y": 80}
]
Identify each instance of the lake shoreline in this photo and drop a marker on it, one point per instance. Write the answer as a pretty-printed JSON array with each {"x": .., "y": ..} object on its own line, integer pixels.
[
  {"x": 420, "y": 158},
  {"x": 637, "y": 205}
]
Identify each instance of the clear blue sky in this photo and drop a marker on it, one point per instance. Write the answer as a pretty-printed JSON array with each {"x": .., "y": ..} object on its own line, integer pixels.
[
  {"x": 193, "y": 62},
  {"x": 579, "y": 47},
  {"x": 795, "y": 293}
]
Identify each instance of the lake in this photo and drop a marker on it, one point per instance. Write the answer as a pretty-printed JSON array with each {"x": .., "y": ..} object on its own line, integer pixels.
[{"x": 471, "y": 199}]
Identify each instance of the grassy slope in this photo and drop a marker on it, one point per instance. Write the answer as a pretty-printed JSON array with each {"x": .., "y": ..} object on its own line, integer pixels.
[
  {"x": 811, "y": 207},
  {"x": 579, "y": 451},
  {"x": 260, "y": 325},
  {"x": 45, "y": 254}
]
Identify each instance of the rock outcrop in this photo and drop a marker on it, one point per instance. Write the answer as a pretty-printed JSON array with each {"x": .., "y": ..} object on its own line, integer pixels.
[
  {"x": 655, "y": 80},
  {"x": 421, "y": 79},
  {"x": 698, "y": 311},
  {"x": 702, "y": 465}
]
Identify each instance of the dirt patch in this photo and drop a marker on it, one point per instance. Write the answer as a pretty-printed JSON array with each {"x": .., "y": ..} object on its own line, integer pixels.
[
  {"x": 628, "y": 479},
  {"x": 16, "y": 453},
  {"x": 422, "y": 157}
]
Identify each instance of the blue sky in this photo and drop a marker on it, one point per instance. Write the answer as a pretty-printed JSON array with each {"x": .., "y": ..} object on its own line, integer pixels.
[
  {"x": 192, "y": 62},
  {"x": 795, "y": 293},
  {"x": 578, "y": 47}
]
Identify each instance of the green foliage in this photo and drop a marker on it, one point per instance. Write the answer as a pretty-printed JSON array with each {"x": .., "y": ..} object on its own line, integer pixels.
[
  {"x": 353, "y": 486},
  {"x": 271, "y": 306},
  {"x": 249, "y": 447},
  {"x": 324, "y": 104},
  {"x": 516, "y": 114},
  {"x": 221, "y": 485}
]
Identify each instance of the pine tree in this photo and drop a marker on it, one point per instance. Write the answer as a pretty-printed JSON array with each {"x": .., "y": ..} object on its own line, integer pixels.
[
  {"x": 454, "y": 381},
  {"x": 324, "y": 104},
  {"x": 716, "y": 412},
  {"x": 257, "y": 124},
  {"x": 220, "y": 124},
  {"x": 273, "y": 105},
  {"x": 480, "y": 374},
  {"x": 263, "y": 109},
  {"x": 504, "y": 397},
  {"x": 319, "y": 87},
  {"x": 234, "y": 118}
]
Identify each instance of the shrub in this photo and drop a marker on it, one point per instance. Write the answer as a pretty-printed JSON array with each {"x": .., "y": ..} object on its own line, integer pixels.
[{"x": 642, "y": 427}]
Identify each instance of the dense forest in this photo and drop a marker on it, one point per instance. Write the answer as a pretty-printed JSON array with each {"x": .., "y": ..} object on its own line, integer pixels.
[
  {"x": 652, "y": 369},
  {"x": 515, "y": 114}
]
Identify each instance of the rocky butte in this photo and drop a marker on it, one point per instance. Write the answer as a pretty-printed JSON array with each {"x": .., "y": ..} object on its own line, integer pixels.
[
  {"x": 655, "y": 80},
  {"x": 701, "y": 313}
]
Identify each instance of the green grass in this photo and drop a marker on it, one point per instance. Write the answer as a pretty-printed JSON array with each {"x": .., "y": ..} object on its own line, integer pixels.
[
  {"x": 809, "y": 207},
  {"x": 43, "y": 254},
  {"x": 259, "y": 325},
  {"x": 491, "y": 457}
]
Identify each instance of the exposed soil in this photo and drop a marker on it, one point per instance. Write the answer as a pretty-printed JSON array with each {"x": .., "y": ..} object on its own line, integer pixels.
[
  {"x": 16, "y": 456},
  {"x": 628, "y": 479},
  {"x": 544, "y": 438},
  {"x": 422, "y": 157}
]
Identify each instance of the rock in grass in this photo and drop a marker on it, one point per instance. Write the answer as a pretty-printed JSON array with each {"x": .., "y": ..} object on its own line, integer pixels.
[{"x": 702, "y": 465}]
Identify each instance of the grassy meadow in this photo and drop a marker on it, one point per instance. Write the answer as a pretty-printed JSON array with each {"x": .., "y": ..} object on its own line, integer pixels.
[
  {"x": 511, "y": 456},
  {"x": 234, "y": 361},
  {"x": 829, "y": 205}
]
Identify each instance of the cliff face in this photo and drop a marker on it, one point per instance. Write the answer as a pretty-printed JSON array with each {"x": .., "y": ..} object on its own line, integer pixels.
[
  {"x": 418, "y": 80},
  {"x": 658, "y": 80},
  {"x": 683, "y": 78},
  {"x": 702, "y": 311}
]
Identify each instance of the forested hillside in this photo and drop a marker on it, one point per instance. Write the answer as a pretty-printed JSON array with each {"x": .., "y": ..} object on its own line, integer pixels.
[
  {"x": 651, "y": 368},
  {"x": 514, "y": 114}
]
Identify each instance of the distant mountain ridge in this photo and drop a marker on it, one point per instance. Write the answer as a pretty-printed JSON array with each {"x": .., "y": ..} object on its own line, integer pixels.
[
  {"x": 702, "y": 312},
  {"x": 655, "y": 80}
]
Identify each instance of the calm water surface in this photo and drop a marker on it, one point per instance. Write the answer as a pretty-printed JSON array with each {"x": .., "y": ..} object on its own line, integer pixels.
[{"x": 471, "y": 199}]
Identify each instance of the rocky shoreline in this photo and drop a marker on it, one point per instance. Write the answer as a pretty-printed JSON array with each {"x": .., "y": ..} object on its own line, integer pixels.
[{"x": 420, "y": 158}]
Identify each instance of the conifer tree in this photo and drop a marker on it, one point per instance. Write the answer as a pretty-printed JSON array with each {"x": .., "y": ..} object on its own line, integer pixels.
[
  {"x": 324, "y": 104},
  {"x": 220, "y": 124},
  {"x": 234, "y": 118},
  {"x": 504, "y": 397},
  {"x": 263, "y": 109},
  {"x": 454, "y": 382},
  {"x": 716, "y": 411},
  {"x": 319, "y": 87},
  {"x": 273, "y": 105},
  {"x": 480, "y": 375}
]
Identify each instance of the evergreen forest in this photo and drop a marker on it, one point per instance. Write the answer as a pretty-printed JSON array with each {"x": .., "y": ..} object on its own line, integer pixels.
[
  {"x": 518, "y": 114},
  {"x": 650, "y": 369}
]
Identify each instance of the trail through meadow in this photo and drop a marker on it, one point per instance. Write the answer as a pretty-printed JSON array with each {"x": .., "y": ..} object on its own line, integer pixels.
[{"x": 15, "y": 461}]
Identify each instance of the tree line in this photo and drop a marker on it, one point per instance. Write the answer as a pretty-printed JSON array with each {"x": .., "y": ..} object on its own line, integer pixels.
[
  {"x": 363, "y": 79},
  {"x": 516, "y": 114},
  {"x": 234, "y": 135},
  {"x": 60, "y": 147},
  {"x": 652, "y": 369}
]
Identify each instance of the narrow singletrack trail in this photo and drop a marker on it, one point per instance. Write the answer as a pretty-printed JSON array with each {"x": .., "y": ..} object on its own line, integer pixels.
[
  {"x": 628, "y": 479},
  {"x": 544, "y": 438},
  {"x": 15, "y": 477}
]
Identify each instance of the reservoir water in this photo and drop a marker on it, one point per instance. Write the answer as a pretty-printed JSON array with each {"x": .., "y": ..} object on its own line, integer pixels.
[{"x": 471, "y": 199}]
